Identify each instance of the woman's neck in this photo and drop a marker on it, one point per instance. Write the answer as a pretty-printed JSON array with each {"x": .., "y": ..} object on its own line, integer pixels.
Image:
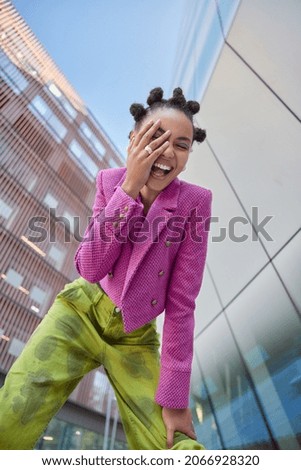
[{"x": 147, "y": 196}]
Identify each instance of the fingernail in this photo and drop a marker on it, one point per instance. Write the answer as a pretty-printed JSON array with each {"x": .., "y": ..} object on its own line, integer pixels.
[{"x": 158, "y": 120}]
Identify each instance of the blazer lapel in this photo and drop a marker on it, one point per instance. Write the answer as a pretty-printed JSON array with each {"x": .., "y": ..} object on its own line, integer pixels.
[{"x": 157, "y": 217}]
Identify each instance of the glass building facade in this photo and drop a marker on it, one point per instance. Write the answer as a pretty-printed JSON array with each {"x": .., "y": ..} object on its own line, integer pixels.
[
  {"x": 239, "y": 59},
  {"x": 51, "y": 149}
]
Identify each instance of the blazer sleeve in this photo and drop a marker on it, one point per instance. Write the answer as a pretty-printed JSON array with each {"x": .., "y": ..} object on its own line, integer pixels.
[
  {"x": 106, "y": 232},
  {"x": 178, "y": 329}
]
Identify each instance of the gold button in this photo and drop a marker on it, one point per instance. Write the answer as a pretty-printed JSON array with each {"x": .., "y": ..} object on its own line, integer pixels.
[
  {"x": 126, "y": 208},
  {"x": 116, "y": 224},
  {"x": 167, "y": 243},
  {"x": 110, "y": 274},
  {"x": 117, "y": 310},
  {"x": 121, "y": 215},
  {"x": 154, "y": 302},
  {"x": 161, "y": 273}
]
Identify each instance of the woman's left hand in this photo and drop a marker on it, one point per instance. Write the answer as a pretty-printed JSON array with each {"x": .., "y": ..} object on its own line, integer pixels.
[{"x": 177, "y": 420}]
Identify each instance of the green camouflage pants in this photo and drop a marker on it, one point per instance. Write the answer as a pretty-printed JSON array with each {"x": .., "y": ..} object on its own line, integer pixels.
[{"x": 81, "y": 331}]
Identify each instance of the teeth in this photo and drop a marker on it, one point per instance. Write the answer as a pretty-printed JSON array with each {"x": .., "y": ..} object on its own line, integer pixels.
[{"x": 163, "y": 167}]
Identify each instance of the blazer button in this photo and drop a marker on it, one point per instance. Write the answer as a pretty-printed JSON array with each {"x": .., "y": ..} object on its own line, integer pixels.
[
  {"x": 161, "y": 273},
  {"x": 154, "y": 302},
  {"x": 110, "y": 274},
  {"x": 126, "y": 208},
  {"x": 115, "y": 224},
  {"x": 117, "y": 310},
  {"x": 167, "y": 243}
]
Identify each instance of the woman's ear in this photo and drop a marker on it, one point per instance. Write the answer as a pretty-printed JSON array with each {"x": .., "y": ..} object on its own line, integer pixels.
[
  {"x": 132, "y": 138},
  {"x": 131, "y": 135}
]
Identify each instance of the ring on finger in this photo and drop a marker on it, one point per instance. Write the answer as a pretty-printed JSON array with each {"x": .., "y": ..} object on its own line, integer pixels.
[{"x": 148, "y": 149}]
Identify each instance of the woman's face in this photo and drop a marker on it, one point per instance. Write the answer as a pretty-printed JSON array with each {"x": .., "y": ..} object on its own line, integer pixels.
[{"x": 175, "y": 156}]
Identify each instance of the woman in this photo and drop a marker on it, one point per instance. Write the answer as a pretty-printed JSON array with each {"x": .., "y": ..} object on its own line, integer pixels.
[{"x": 143, "y": 253}]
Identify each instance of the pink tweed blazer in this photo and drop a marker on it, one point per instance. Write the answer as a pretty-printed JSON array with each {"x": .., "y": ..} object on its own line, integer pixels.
[{"x": 150, "y": 264}]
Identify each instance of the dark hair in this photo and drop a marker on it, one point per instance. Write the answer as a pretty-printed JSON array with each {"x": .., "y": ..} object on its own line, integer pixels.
[{"x": 178, "y": 101}]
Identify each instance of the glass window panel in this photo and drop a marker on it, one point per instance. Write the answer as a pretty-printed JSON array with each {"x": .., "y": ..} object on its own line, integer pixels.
[
  {"x": 113, "y": 163},
  {"x": 204, "y": 421},
  {"x": 14, "y": 278},
  {"x": 227, "y": 12},
  {"x": 5, "y": 209},
  {"x": 4, "y": 60},
  {"x": 41, "y": 106},
  {"x": 15, "y": 347},
  {"x": 61, "y": 435},
  {"x": 57, "y": 126},
  {"x": 46, "y": 116},
  {"x": 86, "y": 130},
  {"x": 71, "y": 220},
  {"x": 76, "y": 148},
  {"x": 91, "y": 139},
  {"x": 50, "y": 201},
  {"x": 268, "y": 332},
  {"x": 57, "y": 255},
  {"x": 61, "y": 98},
  {"x": 81, "y": 156},
  {"x": 32, "y": 183},
  {"x": 67, "y": 106},
  {"x": 238, "y": 417},
  {"x": 288, "y": 265},
  {"x": 99, "y": 147},
  {"x": 12, "y": 75},
  {"x": 37, "y": 294}
]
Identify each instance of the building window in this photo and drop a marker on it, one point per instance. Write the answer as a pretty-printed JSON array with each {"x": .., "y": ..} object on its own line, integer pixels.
[
  {"x": 225, "y": 388},
  {"x": 75, "y": 150},
  {"x": 46, "y": 116},
  {"x": 113, "y": 163},
  {"x": 11, "y": 75},
  {"x": 38, "y": 295},
  {"x": 31, "y": 184},
  {"x": 71, "y": 220},
  {"x": 50, "y": 201},
  {"x": 57, "y": 256},
  {"x": 61, "y": 98},
  {"x": 5, "y": 210},
  {"x": 8, "y": 213},
  {"x": 14, "y": 278},
  {"x": 15, "y": 347},
  {"x": 92, "y": 140}
]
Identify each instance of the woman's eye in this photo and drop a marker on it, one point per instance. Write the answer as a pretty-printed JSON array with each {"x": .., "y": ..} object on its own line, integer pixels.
[{"x": 183, "y": 147}]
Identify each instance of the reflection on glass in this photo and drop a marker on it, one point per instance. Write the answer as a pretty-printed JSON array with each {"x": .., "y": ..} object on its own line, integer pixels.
[
  {"x": 234, "y": 403},
  {"x": 212, "y": 42},
  {"x": 203, "y": 417},
  {"x": 270, "y": 340},
  {"x": 61, "y": 435},
  {"x": 227, "y": 12}
]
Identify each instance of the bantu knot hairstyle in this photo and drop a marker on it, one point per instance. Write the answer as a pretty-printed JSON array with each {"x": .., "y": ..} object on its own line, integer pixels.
[{"x": 178, "y": 101}]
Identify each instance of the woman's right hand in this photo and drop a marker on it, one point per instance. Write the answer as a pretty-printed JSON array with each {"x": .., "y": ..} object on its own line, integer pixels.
[{"x": 139, "y": 161}]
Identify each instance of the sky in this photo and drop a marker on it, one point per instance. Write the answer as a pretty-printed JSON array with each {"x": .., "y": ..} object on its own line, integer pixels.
[{"x": 113, "y": 52}]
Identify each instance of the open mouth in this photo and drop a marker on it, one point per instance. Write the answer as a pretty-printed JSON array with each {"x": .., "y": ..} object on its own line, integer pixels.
[{"x": 158, "y": 169}]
